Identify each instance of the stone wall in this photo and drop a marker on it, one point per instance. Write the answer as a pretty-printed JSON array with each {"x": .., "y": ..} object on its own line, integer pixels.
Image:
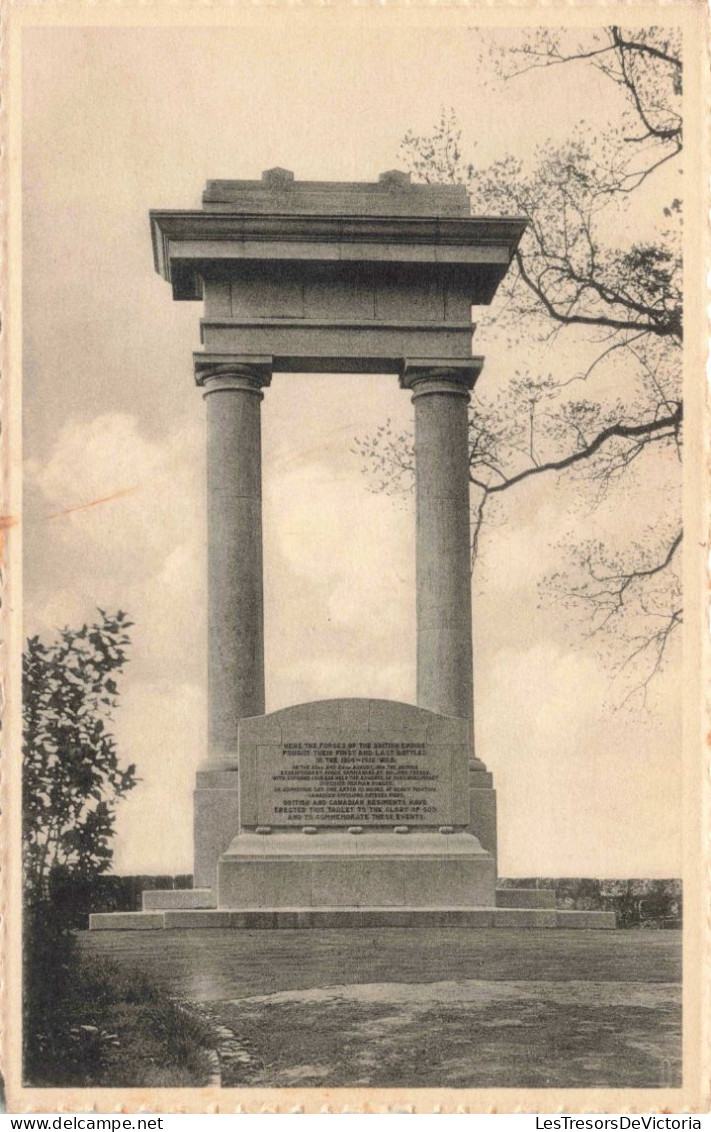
[
  {"x": 112, "y": 894},
  {"x": 636, "y": 902}
]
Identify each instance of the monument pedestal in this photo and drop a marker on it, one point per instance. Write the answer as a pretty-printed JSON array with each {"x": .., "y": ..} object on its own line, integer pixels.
[
  {"x": 369, "y": 870},
  {"x": 215, "y": 818},
  {"x": 353, "y": 803},
  {"x": 348, "y": 813}
]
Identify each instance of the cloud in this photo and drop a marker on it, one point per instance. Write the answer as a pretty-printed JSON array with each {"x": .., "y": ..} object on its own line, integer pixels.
[
  {"x": 128, "y": 499},
  {"x": 358, "y": 545},
  {"x": 141, "y": 549}
]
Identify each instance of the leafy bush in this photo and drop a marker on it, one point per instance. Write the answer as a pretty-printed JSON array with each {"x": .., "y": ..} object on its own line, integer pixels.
[{"x": 72, "y": 777}]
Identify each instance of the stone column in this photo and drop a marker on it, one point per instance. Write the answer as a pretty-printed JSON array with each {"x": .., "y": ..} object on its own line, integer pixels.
[
  {"x": 235, "y": 585},
  {"x": 444, "y": 610}
]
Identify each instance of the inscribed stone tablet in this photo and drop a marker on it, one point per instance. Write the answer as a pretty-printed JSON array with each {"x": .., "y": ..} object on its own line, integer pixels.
[{"x": 313, "y": 770}]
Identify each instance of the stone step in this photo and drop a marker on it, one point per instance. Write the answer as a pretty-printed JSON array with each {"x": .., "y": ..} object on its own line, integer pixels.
[
  {"x": 525, "y": 898},
  {"x": 285, "y": 918},
  {"x": 165, "y": 899}
]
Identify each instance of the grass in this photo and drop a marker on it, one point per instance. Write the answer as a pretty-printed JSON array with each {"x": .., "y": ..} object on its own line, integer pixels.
[
  {"x": 424, "y": 1008},
  {"x": 213, "y": 963},
  {"x": 112, "y": 1026},
  {"x": 160, "y": 1043}
]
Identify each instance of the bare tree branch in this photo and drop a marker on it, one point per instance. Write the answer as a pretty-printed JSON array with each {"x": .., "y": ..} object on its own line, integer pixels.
[
  {"x": 646, "y": 428},
  {"x": 623, "y": 300}
]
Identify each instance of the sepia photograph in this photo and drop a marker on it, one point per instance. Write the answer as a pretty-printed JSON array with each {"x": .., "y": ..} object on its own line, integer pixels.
[{"x": 355, "y": 546}]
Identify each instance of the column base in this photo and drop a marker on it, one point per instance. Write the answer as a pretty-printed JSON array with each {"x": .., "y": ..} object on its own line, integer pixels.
[
  {"x": 216, "y": 817},
  {"x": 482, "y": 806}
]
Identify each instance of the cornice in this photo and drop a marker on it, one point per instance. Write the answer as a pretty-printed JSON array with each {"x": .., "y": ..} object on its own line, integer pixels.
[
  {"x": 171, "y": 228},
  {"x": 261, "y": 321}
]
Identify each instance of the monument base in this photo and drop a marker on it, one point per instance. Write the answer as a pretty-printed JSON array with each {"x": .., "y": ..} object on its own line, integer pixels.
[
  {"x": 373, "y": 869},
  {"x": 180, "y": 909},
  {"x": 182, "y": 899},
  {"x": 272, "y": 919},
  {"x": 348, "y": 813}
]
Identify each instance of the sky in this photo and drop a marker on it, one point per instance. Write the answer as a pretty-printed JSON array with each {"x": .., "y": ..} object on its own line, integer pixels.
[{"x": 121, "y": 120}]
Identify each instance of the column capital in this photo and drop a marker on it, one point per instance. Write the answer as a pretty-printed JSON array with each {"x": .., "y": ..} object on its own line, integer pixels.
[
  {"x": 434, "y": 375},
  {"x": 225, "y": 372}
]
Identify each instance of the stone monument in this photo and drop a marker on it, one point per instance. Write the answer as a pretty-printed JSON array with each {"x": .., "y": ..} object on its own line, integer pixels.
[{"x": 349, "y": 811}]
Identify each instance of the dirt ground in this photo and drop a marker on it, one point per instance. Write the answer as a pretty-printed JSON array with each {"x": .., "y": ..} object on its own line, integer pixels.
[{"x": 425, "y": 1008}]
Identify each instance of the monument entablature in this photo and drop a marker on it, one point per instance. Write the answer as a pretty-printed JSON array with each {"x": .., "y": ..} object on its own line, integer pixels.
[{"x": 331, "y": 276}]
